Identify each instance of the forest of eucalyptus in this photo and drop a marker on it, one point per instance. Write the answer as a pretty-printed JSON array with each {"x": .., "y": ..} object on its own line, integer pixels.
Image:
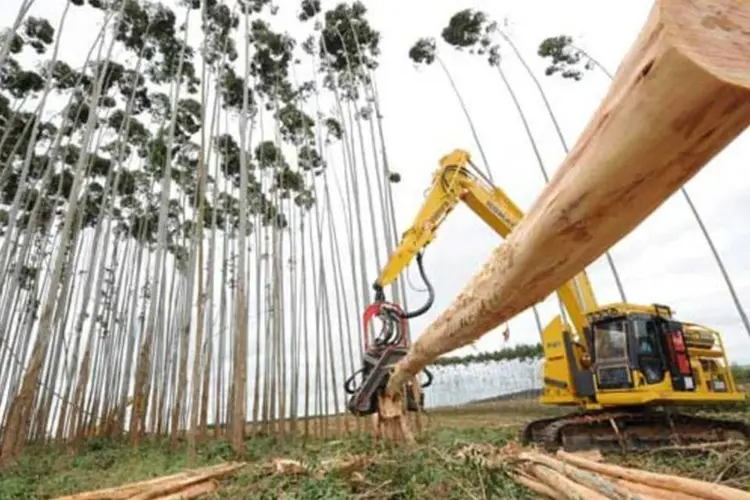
[
  {"x": 191, "y": 219},
  {"x": 167, "y": 231}
]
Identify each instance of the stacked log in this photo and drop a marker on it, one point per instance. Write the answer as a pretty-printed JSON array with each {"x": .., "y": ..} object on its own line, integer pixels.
[
  {"x": 184, "y": 485},
  {"x": 574, "y": 476}
]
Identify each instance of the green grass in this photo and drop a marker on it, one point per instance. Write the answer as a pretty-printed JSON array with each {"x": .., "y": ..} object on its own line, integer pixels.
[
  {"x": 741, "y": 373},
  {"x": 427, "y": 471}
]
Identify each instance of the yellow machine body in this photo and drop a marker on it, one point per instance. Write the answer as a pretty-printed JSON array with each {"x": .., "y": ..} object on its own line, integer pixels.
[{"x": 576, "y": 371}]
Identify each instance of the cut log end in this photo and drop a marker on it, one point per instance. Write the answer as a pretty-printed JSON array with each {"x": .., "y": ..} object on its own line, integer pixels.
[{"x": 713, "y": 33}]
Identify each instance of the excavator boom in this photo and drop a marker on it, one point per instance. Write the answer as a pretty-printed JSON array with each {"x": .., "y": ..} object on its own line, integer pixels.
[{"x": 455, "y": 181}]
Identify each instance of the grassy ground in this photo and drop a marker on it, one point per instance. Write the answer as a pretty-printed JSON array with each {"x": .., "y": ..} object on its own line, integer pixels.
[{"x": 429, "y": 471}]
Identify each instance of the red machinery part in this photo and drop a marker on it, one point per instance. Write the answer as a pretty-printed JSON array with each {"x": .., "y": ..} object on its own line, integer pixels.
[{"x": 373, "y": 310}]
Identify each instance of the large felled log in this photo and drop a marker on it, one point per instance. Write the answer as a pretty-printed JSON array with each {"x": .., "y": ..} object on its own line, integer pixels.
[
  {"x": 680, "y": 96},
  {"x": 583, "y": 477},
  {"x": 566, "y": 487},
  {"x": 193, "y": 491}
]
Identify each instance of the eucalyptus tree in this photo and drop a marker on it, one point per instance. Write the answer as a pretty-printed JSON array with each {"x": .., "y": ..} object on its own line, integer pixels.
[
  {"x": 119, "y": 183},
  {"x": 424, "y": 51},
  {"x": 473, "y": 30},
  {"x": 572, "y": 62},
  {"x": 269, "y": 69},
  {"x": 102, "y": 183},
  {"x": 315, "y": 153},
  {"x": 343, "y": 51},
  {"x": 19, "y": 415},
  {"x": 347, "y": 56},
  {"x": 331, "y": 54},
  {"x": 347, "y": 24}
]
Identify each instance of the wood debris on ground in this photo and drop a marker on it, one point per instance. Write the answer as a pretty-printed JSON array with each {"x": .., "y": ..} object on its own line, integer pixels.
[
  {"x": 586, "y": 476},
  {"x": 184, "y": 485},
  {"x": 350, "y": 465}
]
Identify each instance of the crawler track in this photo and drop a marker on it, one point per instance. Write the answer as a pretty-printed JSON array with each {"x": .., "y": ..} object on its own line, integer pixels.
[{"x": 629, "y": 430}]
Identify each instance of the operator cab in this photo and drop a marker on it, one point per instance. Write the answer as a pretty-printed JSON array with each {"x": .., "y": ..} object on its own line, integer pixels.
[{"x": 650, "y": 346}]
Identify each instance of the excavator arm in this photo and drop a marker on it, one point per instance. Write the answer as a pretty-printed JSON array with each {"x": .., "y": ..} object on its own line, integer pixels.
[{"x": 457, "y": 180}]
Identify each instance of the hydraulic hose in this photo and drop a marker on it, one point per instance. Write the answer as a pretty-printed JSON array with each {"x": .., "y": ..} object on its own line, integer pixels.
[{"x": 430, "y": 291}]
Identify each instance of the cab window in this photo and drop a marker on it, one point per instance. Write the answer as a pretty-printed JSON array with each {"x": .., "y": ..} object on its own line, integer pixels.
[{"x": 610, "y": 341}]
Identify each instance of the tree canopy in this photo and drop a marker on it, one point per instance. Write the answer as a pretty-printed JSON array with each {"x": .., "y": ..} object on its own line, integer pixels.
[
  {"x": 564, "y": 59},
  {"x": 134, "y": 133}
]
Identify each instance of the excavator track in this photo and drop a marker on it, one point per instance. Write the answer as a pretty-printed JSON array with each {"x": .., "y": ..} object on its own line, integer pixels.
[{"x": 629, "y": 431}]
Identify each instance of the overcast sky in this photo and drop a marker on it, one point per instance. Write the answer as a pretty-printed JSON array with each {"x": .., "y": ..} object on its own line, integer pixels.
[{"x": 665, "y": 260}]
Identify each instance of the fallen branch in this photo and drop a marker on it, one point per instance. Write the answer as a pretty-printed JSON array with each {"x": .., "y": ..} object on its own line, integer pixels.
[
  {"x": 372, "y": 492},
  {"x": 194, "y": 491},
  {"x": 732, "y": 464},
  {"x": 158, "y": 487},
  {"x": 128, "y": 490},
  {"x": 340, "y": 465},
  {"x": 652, "y": 491},
  {"x": 178, "y": 485},
  {"x": 534, "y": 485},
  {"x": 579, "y": 475}
]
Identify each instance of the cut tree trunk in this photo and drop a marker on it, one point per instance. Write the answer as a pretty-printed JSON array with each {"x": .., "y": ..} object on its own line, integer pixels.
[{"x": 680, "y": 96}]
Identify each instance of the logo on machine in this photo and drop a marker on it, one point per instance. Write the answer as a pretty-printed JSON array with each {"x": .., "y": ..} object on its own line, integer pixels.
[
  {"x": 554, "y": 345},
  {"x": 496, "y": 210}
]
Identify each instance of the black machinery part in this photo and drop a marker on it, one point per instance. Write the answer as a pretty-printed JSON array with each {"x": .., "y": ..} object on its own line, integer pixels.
[
  {"x": 376, "y": 365},
  {"x": 387, "y": 348},
  {"x": 629, "y": 429},
  {"x": 380, "y": 294}
]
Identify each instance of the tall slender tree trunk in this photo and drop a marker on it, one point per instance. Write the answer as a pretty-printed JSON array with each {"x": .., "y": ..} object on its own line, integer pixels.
[{"x": 560, "y": 135}]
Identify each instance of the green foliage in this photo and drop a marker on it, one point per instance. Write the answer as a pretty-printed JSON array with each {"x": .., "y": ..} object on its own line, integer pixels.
[
  {"x": 521, "y": 352},
  {"x": 133, "y": 154},
  {"x": 36, "y": 32},
  {"x": 564, "y": 59},
  {"x": 296, "y": 126},
  {"x": 334, "y": 128},
  {"x": 465, "y": 28},
  {"x": 349, "y": 46},
  {"x": 309, "y": 9},
  {"x": 309, "y": 160},
  {"x": 423, "y": 51},
  {"x": 270, "y": 62},
  {"x": 232, "y": 90},
  {"x": 218, "y": 42},
  {"x": 741, "y": 373},
  {"x": 429, "y": 469},
  {"x": 468, "y": 30}
]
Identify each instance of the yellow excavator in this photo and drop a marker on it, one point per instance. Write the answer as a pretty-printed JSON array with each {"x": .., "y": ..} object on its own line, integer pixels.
[{"x": 627, "y": 368}]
